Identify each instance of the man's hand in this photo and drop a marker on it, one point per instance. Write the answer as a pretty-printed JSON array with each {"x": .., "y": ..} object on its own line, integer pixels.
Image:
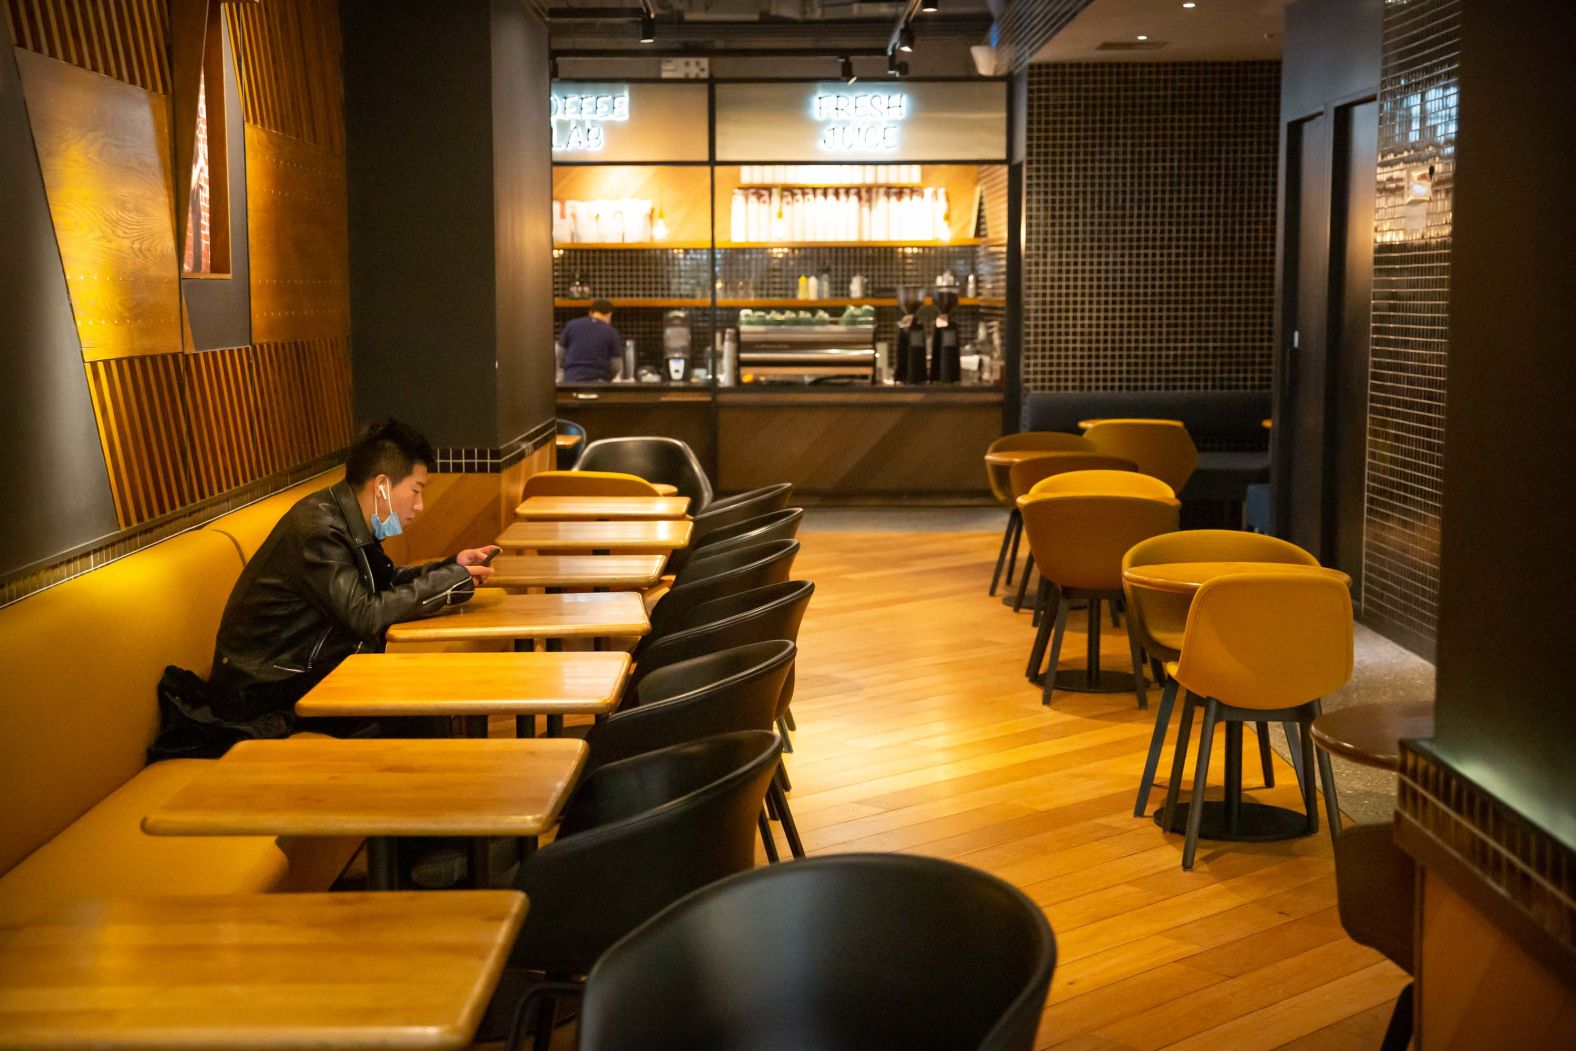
[{"x": 475, "y": 559}]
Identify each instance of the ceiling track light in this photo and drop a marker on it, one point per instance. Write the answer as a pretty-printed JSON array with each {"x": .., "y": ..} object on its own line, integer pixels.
[
  {"x": 930, "y": 6},
  {"x": 552, "y": 68},
  {"x": 905, "y": 39},
  {"x": 892, "y": 63},
  {"x": 648, "y": 28},
  {"x": 848, "y": 70}
]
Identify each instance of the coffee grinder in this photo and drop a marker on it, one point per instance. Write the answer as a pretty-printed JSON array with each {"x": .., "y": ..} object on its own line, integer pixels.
[
  {"x": 910, "y": 337},
  {"x": 945, "y": 366}
]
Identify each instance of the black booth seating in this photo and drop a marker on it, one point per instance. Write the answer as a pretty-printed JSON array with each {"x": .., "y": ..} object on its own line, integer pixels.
[{"x": 1227, "y": 427}]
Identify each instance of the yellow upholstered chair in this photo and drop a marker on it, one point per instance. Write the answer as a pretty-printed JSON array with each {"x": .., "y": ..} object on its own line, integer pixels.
[
  {"x": 999, "y": 477},
  {"x": 1024, "y": 476},
  {"x": 1259, "y": 645},
  {"x": 1105, "y": 483},
  {"x": 1078, "y": 542},
  {"x": 587, "y": 483},
  {"x": 1158, "y": 619},
  {"x": 1161, "y": 448}
]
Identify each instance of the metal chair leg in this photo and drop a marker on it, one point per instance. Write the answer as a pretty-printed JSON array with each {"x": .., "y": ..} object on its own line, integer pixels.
[
  {"x": 785, "y": 815},
  {"x": 1263, "y": 730},
  {"x": 1057, "y": 633},
  {"x": 1195, "y": 810},
  {"x": 1309, "y": 802},
  {"x": 1139, "y": 682},
  {"x": 1015, "y": 523},
  {"x": 1332, "y": 806},
  {"x": 1001, "y": 557},
  {"x": 1023, "y": 582},
  {"x": 767, "y": 839},
  {"x": 1041, "y": 636},
  {"x": 1168, "y": 815},
  {"x": 782, "y": 731},
  {"x": 1290, "y": 730},
  {"x": 1157, "y": 740},
  {"x": 1398, "y": 1034}
]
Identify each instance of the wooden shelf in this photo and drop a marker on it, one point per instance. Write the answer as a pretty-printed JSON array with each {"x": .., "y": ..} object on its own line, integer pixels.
[
  {"x": 626, "y": 246},
  {"x": 956, "y": 242},
  {"x": 638, "y": 301}
]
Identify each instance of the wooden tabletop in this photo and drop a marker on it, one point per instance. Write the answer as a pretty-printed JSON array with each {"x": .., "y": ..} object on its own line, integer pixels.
[
  {"x": 1086, "y": 424},
  {"x": 1009, "y": 457},
  {"x": 567, "y": 441},
  {"x": 493, "y": 613},
  {"x": 323, "y": 786},
  {"x": 664, "y": 489},
  {"x": 592, "y": 508},
  {"x": 383, "y": 684},
  {"x": 1370, "y": 733},
  {"x": 351, "y": 970},
  {"x": 576, "y": 571},
  {"x": 656, "y": 537},
  {"x": 1184, "y": 578}
]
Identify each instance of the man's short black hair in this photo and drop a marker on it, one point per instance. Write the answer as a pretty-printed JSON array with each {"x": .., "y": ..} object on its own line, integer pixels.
[
  {"x": 601, "y": 306},
  {"x": 387, "y": 447}
]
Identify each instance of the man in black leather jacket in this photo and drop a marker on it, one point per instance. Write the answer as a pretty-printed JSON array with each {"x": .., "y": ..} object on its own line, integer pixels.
[{"x": 320, "y": 587}]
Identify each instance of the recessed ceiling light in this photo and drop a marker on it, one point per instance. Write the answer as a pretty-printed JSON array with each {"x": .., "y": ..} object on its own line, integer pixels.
[
  {"x": 1141, "y": 36},
  {"x": 1190, "y": 5}
]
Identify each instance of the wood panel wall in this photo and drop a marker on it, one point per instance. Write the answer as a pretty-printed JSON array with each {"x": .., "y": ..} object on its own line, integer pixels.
[{"x": 179, "y": 426}]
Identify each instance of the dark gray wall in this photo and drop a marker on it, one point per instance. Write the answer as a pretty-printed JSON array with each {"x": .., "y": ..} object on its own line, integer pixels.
[
  {"x": 1331, "y": 51},
  {"x": 522, "y": 201},
  {"x": 418, "y": 137},
  {"x": 1506, "y": 718},
  {"x": 57, "y": 490}
]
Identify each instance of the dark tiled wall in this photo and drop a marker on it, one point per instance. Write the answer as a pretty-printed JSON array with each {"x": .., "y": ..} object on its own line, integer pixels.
[
  {"x": 1149, "y": 254},
  {"x": 1406, "y": 393}
]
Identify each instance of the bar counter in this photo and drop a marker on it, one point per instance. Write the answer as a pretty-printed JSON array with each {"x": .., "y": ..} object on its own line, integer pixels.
[{"x": 833, "y": 442}]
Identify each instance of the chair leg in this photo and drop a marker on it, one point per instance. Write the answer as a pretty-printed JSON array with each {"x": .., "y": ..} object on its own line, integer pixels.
[
  {"x": 1195, "y": 810},
  {"x": 785, "y": 815},
  {"x": 1159, "y": 669},
  {"x": 1041, "y": 636},
  {"x": 1168, "y": 816},
  {"x": 1290, "y": 730},
  {"x": 1057, "y": 633},
  {"x": 1398, "y": 1034},
  {"x": 767, "y": 839},
  {"x": 782, "y": 731},
  {"x": 1138, "y": 663},
  {"x": 1015, "y": 524},
  {"x": 788, "y": 716},
  {"x": 1041, "y": 597},
  {"x": 1001, "y": 557},
  {"x": 1332, "y": 805},
  {"x": 1263, "y": 730},
  {"x": 1157, "y": 741},
  {"x": 546, "y": 1015},
  {"x": 1309, "y": 792},
  {"x": 1023, "y": 582},
  {"x": 782, "y": 774}
]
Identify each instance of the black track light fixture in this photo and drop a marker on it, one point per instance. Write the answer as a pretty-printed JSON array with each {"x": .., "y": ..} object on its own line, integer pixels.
[
  {"x": 648, "y": 27},
  {"x": 552, "y": 68},
  {"x": 930, "y": 6},
  {"x": 848, "y": 70},
  {"x": 892, "y": 63},
  {"x": 905, "y": 39}
]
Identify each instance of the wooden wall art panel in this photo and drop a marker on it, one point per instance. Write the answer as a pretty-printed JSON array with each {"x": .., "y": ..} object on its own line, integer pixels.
[
  {"x": 142, "y": 425},
  {"x": 225, "y": 452},
  {"x": 303, "y": 397},
  {"x": 103, "y": 147},
  {"x": 124, "y": 39},
  {"x": 290, "y": 72},
  {"x": 296, "y": 211}
]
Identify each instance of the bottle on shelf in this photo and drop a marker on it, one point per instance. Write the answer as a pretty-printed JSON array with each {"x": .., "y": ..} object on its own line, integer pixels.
[
  {"x": 804, "y": 287},
  {"x": 856, "y": 287},
  {"x": 825, "y": 285},
  {"x": 971, "y": 288},
  {"x": 813, "y": 287}
]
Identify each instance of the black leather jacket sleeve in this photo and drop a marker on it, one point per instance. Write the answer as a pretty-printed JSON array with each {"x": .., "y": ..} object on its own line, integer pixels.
[{"x": 332, "y": 583}]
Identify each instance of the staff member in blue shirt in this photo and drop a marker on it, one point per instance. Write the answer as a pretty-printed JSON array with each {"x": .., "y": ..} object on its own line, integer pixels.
[{"x": 591, "y": 345}]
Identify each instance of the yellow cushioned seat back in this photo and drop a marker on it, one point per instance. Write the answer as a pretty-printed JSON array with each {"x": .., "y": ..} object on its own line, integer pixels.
[
  {"x": 1108, "y": 483},
  {"x": 587, "y": 483},
  {"x": 1159, "y": 447},
  {"x": 250, "y": 526},
  {"x": 1164, "y": 613},
  {"x": 1078, "y": 541},
  {"x": 82, "y": 663},
  {"x": 1026, "y": 475},
  {"x": 999, "y": 475},
  {"x": 1267, "y": 639}
]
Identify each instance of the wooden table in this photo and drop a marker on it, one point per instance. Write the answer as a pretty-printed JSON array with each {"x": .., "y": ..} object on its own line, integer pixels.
[
  {"x": 664, "y": 489},
  {"x": 380, "y": 789},
  {"x": 493, "y": 613},
  {"x": 255, "y": 971},
  {"x": 655, "y": 537},
  {"x": 1184, "y": 578},
  {"x": 567, "y": 441},
  {"x": 604, "y": 508},
  {"x": 1370, "y": 733},
  {"x": 472, "y": 686},
  {"x": 576, "y": 571}
]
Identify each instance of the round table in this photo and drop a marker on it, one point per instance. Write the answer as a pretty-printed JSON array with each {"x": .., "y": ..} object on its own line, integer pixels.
[
  {"x": 1369, "y": 734},
  {"x": 1086, "y": 424},
  {"x": 1009, "y": 457},
  {"x": 1184, "y": 578}
]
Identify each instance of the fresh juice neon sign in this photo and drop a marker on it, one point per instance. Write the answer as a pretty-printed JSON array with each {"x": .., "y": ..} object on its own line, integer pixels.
[{"x": 859, "y": 120}]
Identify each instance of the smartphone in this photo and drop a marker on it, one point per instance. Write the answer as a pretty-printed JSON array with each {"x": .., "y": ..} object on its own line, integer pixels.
[{"x": 492, "y": 555}]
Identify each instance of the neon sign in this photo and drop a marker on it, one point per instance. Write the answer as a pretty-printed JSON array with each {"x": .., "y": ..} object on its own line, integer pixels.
[
  {"x": 859, "y": 120},
  {"x": 578, "y": 118}
]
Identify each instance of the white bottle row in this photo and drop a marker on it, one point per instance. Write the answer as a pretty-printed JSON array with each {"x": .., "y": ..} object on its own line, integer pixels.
[
  {"x": 625, "y": 221},
  {"x": 829, "y": 174},
  {"x": 876, "y": 213}
]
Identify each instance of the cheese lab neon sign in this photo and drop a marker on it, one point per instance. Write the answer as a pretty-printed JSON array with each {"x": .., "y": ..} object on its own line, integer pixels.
[
  {"x": 861, "y": 120},
  {"x": 578, "y": 118}
]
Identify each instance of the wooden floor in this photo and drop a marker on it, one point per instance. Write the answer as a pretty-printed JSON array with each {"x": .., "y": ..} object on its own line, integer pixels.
[{"x": 918, "y": 733}]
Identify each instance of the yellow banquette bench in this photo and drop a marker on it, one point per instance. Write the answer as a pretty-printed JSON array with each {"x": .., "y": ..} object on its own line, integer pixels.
[{"x": 81, "y": 662}]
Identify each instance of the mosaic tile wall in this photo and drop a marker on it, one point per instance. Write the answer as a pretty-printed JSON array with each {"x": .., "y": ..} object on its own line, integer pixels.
[
  {"x": 1149, "y": 254},
  {"x": 1418, "y": 92}
]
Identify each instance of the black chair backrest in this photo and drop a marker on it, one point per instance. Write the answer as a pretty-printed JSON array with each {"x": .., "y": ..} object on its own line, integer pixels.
[
  {"x": 743, "y": 569},
  {"x": 849, "y": 951},
  {"x": 758, "y": 615},
  {"x": 777, "y": 525},
  {"x": 654, "y": 459},
  {"x": 766, "y": 498},
  {"x": 730, "y": 511},
  {"x": 638, "y": 835},
  {"x": 734, "y": 689}
]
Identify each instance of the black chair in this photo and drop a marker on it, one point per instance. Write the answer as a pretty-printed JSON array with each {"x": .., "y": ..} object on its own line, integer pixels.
[
  {"x": 567, "y": 457},
  {"x": 766, "y": 498},
  {"x": 853, "y": 951},
  {"x": 636, "y": 836},
  {"x": 758, "y": 615},
  {"x": 778, "y": 525},
  {"x": 735, "y": 689},
  {"x": 704, "y": 579},
  {"x": 731, "y": 511},
  {"x": 654, "y": 459}
]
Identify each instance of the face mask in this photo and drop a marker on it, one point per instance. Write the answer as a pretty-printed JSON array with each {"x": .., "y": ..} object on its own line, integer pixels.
[{"x": 383, "y": 528}]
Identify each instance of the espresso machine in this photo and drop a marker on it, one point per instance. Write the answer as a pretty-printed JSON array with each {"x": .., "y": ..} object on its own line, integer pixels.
[
  {"x": 910, "y": 337},
  {"x": 945, "y": 366}
]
